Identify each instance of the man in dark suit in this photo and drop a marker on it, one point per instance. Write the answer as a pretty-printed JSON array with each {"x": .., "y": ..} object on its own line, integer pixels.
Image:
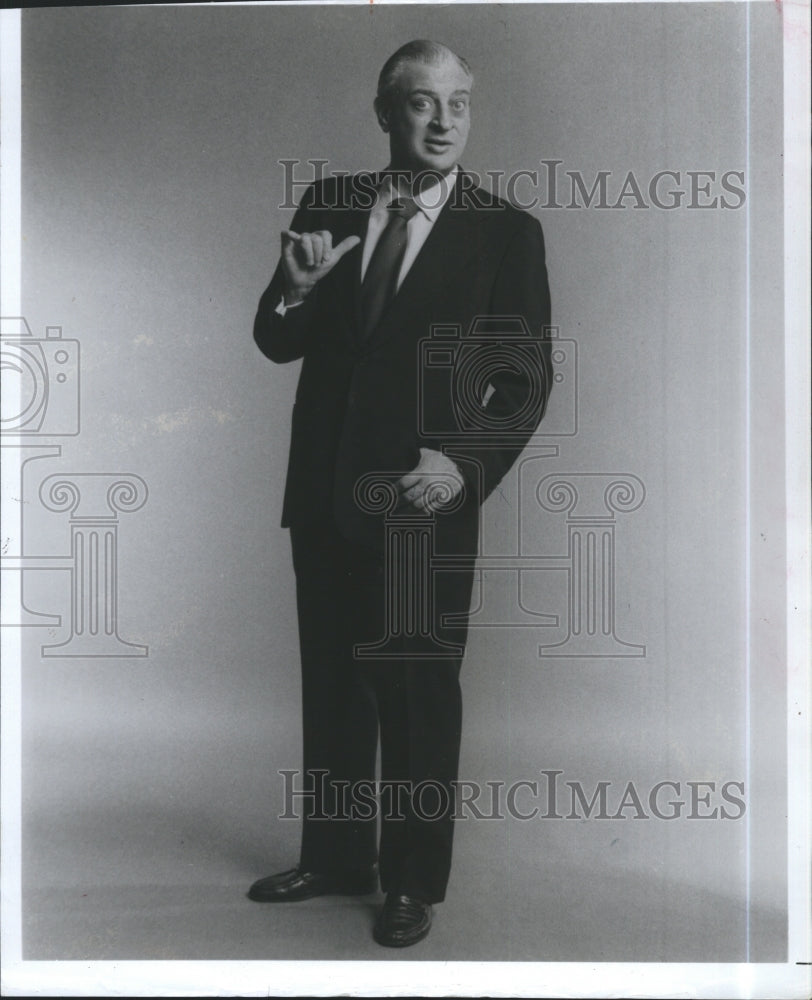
[{"x": 387, "y": 474}]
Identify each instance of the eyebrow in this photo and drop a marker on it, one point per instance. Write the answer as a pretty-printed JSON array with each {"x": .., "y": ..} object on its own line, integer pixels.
[{"x": 431, "y": 93}]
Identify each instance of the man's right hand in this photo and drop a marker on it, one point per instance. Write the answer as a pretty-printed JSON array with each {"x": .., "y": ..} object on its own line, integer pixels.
[{"x": 307, "y": 257}]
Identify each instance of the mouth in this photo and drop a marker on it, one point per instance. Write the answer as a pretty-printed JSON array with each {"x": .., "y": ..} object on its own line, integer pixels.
[{"x": 439, "y": 145}]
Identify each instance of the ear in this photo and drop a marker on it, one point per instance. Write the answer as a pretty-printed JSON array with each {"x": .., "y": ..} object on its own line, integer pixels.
[{"x": 382, "y": 114}]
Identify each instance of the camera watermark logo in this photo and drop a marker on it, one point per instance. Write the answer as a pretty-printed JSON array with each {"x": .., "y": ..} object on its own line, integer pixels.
[
  {"x": 40, "y": 381},
  {"x": 458, "y": 372},
  {"x": 461, "y": 369},
  {"x": 41, "y": 401}
]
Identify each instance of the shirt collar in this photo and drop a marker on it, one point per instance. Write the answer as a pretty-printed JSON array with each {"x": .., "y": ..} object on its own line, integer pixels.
[{"x": 430, "y": 201}]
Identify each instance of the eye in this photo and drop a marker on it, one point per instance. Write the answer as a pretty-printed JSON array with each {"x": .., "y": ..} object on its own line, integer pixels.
[
  {"x": 420, "y": 104},
  {"x": 459, "y": 105}
]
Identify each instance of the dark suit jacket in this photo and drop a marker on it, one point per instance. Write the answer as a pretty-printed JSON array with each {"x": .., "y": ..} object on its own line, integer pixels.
[{"x": 368, "y": 406}]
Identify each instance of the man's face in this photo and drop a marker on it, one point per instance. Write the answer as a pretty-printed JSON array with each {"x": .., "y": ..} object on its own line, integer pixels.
[{"x": 430, "y": 117}]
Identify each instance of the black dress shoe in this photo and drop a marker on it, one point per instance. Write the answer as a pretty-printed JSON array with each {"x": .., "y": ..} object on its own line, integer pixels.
[
  {"x": 402, "y": 921},
  {"x": 296, "y": 884}
]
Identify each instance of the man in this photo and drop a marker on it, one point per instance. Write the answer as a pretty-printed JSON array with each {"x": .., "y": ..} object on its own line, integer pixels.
[{"x": 370, "y": 268}]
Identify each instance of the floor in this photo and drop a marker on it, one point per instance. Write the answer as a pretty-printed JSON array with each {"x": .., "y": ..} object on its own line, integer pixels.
[{"x": 145, "y": 850}]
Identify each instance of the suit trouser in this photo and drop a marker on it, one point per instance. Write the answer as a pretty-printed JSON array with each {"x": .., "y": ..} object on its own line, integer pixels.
[{"x": 415, "y": 702}]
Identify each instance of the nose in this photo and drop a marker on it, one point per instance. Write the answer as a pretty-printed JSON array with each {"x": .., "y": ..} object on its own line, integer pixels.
[{"x": 442, "y": 119}]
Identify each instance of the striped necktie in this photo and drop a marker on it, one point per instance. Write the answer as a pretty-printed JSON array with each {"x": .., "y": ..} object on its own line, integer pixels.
[{"x": 380, "y": 281}]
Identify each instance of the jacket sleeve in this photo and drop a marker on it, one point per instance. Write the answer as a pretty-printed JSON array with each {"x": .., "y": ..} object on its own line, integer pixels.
[
  {"x": 521, "y": 383},
  {"x": 286, "y": 338}
]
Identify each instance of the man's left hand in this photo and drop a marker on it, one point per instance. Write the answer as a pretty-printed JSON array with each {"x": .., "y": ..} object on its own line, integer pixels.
[{"x": 433, "y": 483}]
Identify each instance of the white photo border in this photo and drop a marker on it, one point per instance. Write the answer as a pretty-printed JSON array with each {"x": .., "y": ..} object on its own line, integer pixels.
[{"x": 543, "y": 979}]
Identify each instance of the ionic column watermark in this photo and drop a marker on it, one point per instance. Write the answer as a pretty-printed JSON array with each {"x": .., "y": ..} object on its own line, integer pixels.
[
  {"x": 94, "y": 501},
  {"x": 591, "y": 501},
  {"x": 409, "y": 624}
]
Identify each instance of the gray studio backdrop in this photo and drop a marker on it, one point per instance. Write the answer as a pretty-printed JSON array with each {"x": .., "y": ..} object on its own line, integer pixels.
[{"x": 151, "y": 193}]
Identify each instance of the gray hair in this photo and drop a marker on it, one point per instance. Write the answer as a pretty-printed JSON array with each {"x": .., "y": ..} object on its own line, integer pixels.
[{"x": 421, "y": 50}]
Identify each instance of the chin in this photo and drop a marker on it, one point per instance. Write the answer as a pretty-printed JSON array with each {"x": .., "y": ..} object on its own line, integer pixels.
[{"x": 438, "y": 161}]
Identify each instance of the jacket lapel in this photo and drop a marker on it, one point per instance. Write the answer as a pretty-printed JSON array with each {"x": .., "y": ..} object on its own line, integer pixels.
[{"x": 345, "y": 277}]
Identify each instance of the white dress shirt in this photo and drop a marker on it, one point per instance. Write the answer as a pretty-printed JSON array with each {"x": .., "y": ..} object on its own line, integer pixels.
[{"x": 430, "y": 203}]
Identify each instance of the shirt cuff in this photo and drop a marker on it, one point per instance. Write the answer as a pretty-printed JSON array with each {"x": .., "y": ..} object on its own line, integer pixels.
[{"x": 281, "y": 309}]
